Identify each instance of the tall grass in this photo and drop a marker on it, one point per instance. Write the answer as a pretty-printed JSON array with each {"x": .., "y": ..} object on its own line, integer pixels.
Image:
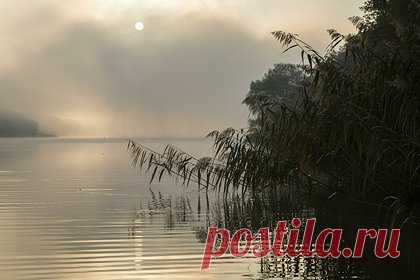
[{"x": 354, "y": 128}]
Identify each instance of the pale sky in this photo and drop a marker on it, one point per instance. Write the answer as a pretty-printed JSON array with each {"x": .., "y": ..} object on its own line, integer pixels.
[{"x": 82, "y": 69}]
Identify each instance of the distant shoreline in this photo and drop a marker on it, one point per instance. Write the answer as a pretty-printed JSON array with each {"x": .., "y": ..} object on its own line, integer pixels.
[
  {"x": 110, "y": 138},
  {"x": 28, "y": 136}
]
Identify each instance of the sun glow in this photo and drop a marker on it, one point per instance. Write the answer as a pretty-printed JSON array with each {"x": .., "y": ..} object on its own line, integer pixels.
[{"x": 139, "y": 26}]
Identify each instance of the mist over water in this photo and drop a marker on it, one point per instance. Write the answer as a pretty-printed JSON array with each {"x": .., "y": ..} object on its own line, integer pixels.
[
  {"x": 88, "y": 72},
  {"x": 71, "y": 209},
  {"x": 77, "y": 209},
  {"x": 81, "y": 69}
]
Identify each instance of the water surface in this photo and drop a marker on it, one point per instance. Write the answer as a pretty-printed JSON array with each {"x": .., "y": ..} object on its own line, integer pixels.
[
  {"x": 72, "y": 209},
  {"x": 77, "y": 209}
]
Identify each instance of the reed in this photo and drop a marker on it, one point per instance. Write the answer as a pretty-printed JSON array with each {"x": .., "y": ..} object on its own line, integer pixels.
[{"x": 353, "y": 128}]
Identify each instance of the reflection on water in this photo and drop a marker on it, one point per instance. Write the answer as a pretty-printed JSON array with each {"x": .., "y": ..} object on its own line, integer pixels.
[
  {"x": 67, "y": 208},
  {"x": 75, "y": 209}
]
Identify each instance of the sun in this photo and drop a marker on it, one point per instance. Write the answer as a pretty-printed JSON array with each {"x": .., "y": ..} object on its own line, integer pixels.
[{"x": 139, "y": 26}]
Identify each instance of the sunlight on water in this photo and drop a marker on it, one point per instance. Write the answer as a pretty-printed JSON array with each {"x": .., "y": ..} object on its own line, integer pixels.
[
  {"x": 71, "y": 210},
  {"x": 76, "y": 209}
]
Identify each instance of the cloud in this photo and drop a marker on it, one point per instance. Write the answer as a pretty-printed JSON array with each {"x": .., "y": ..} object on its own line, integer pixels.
[
  {"x": 187, "y": 82},
  {"x": 184, "y": 75}
]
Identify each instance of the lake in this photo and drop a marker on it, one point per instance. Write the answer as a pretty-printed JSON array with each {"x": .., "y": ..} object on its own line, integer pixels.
[
  {"x": 77, "y": 209},
  {"x": 71, "y": 209}
]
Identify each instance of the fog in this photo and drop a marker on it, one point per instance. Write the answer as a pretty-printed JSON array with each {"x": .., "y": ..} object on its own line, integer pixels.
[{"x": 81, "y": 69}]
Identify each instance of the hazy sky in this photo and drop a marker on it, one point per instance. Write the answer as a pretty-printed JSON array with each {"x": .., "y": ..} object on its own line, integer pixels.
[{"x": 82, "y": 63}]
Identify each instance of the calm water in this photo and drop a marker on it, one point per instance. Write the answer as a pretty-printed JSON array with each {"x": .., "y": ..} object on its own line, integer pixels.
[
  {"x": 72, "y": 209},
  {"x": 76, "y": 209}
]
